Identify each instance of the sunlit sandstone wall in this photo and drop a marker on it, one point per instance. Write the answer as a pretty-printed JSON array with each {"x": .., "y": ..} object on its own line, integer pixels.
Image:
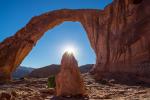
[{"x": 119, "y": 35}]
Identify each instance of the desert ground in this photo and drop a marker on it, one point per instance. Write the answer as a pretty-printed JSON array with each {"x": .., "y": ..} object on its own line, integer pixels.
[{"x": 36, "y": 89}]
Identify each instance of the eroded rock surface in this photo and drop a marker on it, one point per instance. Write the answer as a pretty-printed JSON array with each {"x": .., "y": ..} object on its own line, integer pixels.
[
  {"x": 69, "y": 81},
  {"x": 119, "y": 35}
]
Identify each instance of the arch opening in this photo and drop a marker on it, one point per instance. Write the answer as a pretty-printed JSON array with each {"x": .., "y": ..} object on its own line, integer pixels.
[{"x": 50, "y": 48}]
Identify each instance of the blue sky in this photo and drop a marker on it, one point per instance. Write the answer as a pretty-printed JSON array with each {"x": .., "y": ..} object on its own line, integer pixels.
[{"x": 15, "y": 14}]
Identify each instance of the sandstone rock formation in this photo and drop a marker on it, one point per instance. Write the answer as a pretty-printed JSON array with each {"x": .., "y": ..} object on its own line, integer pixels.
[
  {"x": 119, "y": 35},
  {"x": 68, "y": 80}
]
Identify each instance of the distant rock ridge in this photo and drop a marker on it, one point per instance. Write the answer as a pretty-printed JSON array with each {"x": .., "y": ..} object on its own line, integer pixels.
[
  {"x": 21, "y": 72},
  {"x": 52, "y": 70},
  {"x": 119, "y": 35},
  {"x": 45, "y": 72}
]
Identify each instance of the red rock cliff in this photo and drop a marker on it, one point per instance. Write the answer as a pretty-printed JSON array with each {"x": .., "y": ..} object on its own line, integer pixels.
[{"x": 119, "y": 35}]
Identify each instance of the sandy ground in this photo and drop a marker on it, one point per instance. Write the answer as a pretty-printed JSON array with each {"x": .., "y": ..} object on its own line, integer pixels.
[{"x": 36, "y": 89}]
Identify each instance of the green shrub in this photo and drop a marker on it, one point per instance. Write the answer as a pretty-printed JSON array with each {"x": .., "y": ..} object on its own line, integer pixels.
[{"x": 51, "y": 82}]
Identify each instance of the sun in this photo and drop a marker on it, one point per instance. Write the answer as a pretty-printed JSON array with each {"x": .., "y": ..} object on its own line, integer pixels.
[{"x": 70, "y": 50}]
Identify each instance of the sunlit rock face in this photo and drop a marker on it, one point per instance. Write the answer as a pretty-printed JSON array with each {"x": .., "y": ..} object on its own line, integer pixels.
[
  {"x": 69, "y": 81},
  {"x": 119, "y": 35}
]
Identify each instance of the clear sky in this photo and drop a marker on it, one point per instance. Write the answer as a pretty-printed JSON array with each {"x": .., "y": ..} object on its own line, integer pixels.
[{"x": 15, "y": 14}]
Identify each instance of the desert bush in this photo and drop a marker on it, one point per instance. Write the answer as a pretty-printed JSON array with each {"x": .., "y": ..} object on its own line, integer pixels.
[{"x": 51, "y": 82}]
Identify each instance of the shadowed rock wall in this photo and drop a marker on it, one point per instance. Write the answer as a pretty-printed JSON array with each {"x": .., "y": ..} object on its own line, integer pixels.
[{"x": 119, "y": 35}]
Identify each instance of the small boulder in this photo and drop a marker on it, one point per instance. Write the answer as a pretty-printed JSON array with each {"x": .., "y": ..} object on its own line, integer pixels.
[
  {"x": 47, "y": 91},
  {"x": 5, "y": 96}
]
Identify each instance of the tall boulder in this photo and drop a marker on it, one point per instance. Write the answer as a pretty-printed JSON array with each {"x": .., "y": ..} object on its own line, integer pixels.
[{"x": 69, "y": 81}]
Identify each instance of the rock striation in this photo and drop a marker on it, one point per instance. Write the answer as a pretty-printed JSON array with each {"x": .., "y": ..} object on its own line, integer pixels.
[
  {"x": 119, "y": 35},
  {"x": 69, "y": 81}
]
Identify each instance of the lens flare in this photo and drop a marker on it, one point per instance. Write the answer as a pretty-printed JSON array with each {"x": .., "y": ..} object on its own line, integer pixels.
[{"x": 70, "y": 50}]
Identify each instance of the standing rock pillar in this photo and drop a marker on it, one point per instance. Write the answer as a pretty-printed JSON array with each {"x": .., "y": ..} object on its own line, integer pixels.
[{"x": 69, "y": 81}]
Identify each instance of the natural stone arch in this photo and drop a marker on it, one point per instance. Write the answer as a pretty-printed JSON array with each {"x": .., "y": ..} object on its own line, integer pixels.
[
  {"x": 14, "y": 49},
  {"x": 119, "y": 35}
]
